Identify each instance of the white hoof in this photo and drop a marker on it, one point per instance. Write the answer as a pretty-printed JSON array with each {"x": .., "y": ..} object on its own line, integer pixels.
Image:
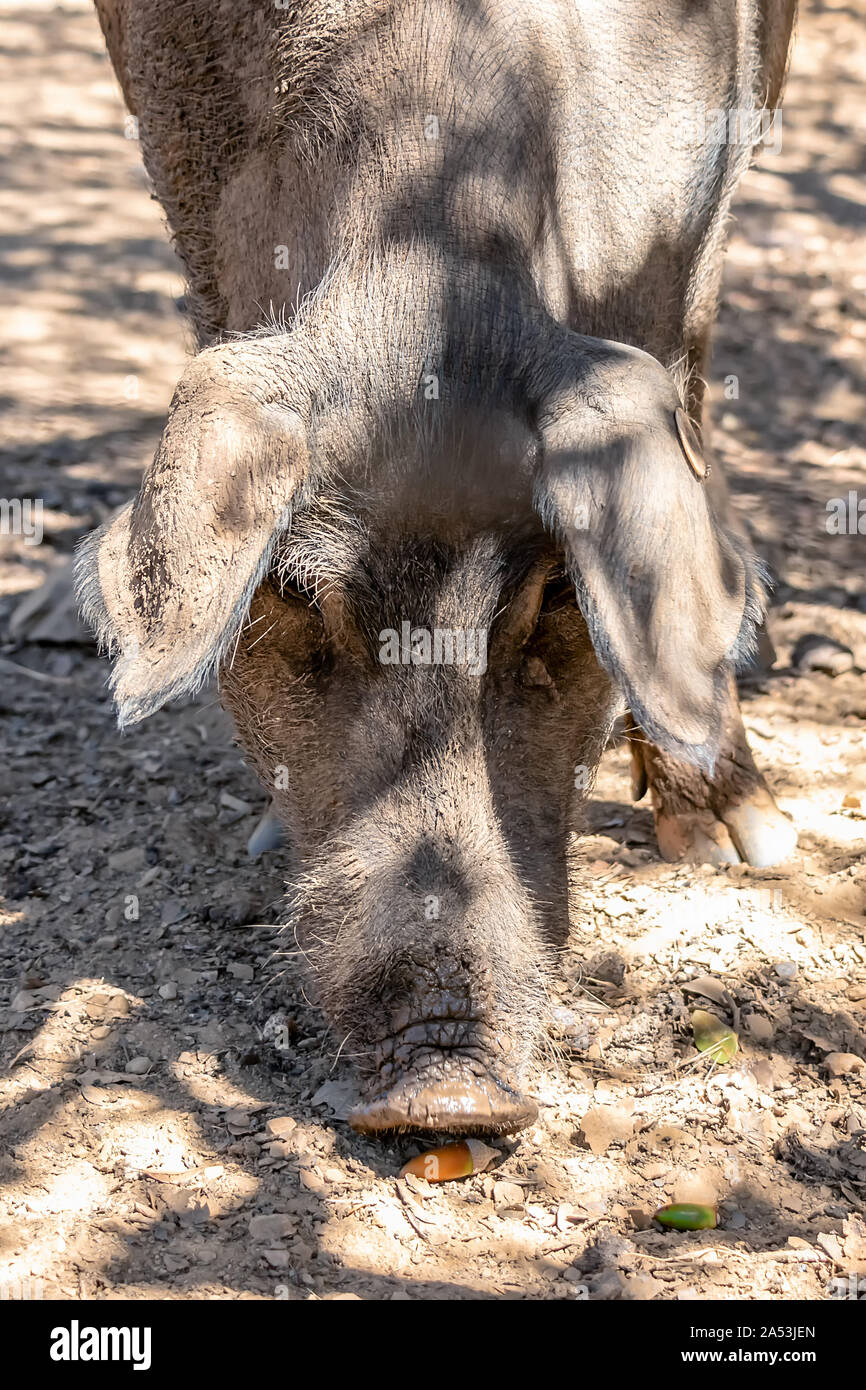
[{"x": 267, "y": 835}]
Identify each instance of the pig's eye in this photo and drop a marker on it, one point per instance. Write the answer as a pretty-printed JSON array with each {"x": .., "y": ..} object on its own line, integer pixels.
[
  {"x": 293, "y": 591},
  {"x": 558, "y": 593}
]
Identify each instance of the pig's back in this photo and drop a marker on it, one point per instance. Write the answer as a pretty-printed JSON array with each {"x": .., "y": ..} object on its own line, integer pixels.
[{"x": 562, "y": 137}]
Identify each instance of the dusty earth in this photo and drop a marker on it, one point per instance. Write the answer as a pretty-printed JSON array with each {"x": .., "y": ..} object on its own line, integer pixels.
[{"x": 165, "y": 1132}]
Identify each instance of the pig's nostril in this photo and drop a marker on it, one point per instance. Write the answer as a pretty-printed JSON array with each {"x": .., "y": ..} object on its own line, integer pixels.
[{"x": 453, "y": 1103}]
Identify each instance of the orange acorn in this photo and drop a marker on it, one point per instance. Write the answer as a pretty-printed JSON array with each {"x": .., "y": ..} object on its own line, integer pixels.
[{"x": 451, "y": 1161}]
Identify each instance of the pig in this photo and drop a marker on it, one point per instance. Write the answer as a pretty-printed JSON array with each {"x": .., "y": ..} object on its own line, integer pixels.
[{"x": 453, "y": 267}]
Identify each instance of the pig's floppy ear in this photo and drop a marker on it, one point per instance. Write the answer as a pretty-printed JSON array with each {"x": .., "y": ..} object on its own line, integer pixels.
[
  {"x": 167, "y": 582},
  {"x": 670, "y": 598}
]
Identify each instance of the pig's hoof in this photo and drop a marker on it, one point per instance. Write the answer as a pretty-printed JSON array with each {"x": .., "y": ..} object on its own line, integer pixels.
[
  {"x": 752, "y": 831},
  {"x": 267, "y": 835},
  {"x": 696, "y": 837},
  {"x": 453, "y": 1104},
  {"x": 761, "y": 832}
]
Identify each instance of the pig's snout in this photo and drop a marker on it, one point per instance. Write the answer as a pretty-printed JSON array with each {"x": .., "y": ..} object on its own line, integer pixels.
[
  {"x": 445, "y": 1074},
  {"x": 450, "y": 1100},
  {"x": 443, "y": 1015}
]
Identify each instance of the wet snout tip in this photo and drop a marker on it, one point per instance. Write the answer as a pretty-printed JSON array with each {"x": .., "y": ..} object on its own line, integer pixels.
[{"x": 448, "y": 1107}]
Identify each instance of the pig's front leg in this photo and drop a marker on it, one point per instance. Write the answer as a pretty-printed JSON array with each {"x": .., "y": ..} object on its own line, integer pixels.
[{"x": 728, "y": 818}]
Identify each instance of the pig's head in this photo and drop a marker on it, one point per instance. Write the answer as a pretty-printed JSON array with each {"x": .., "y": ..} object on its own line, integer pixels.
[{"x": 424, "y": 622}]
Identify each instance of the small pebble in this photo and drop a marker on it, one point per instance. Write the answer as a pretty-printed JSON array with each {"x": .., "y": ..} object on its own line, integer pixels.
[
  {"x": 241, "y": 972},
  {"x": 277, "y": 1259},
  {"x": 128, "y": 860},
  {"x": 814, "y": 653},
  {"x": 507, "y": 1196},
  {"x": 312, "y": 1180},
  {"x": 281, "y": 1127},
  {"x": 785, "y": 969},
  {"x": 173, "y": 911},
  {"x": 274, "y": 1227},
  {"x": 843, "y": 1063},
  {"x": 138, "y": 1066},
  {"x": 760, "y": 1028},
  {"x": 22, "y": 1000}
]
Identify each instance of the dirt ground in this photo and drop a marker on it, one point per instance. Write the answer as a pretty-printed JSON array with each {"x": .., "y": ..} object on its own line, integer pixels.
[{"x": 172, "y": 1107}]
